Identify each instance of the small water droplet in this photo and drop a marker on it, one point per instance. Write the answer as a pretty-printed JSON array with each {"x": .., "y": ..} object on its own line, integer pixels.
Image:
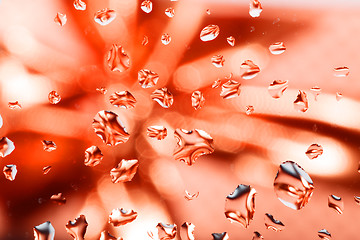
[
  {"x": 357, "y": 199},
  {"x": 120, "y": 216},
  {"x": 231, "y": 41},
  {"x": 277, "y": 48},
  {"x": 230, "y": 89},
  {"x": 44, "y": 231},
  {"x": 10, "y": 172},
  {"x": 122, "y": 99},
  {"x": 105, "y": 235},
  {"x": 341, "y": 71},
  {"x": 58, "y": 199},
  {"x": 209, "y": 33},
  {"x": 158, "y": 132},
  {"x": 301, "y": 103},
  {"x": 208, "y": 12},
  {"x": 273, "y": 224},
  {"x": 315, "y": 150},
  {"x": 249, "y": 70},
  {"x": 48, "y": 146},
  {"x": 170, "y": 12},
  {"x": 117, "y": 59},
  {"x": 6, "y": 146},
  {"x": 165, "y": 39},
  {"x": 145, "y": 40},
  {"x": 60, "y": 19},
  {"x": 277, "y": 88},
  {"x": 316, "y": 91},
  {"x": 336, "y": 203},
  {"x": 14, "y": 105},
  {"x": 218, "y": 61},
  {"x": 146, "y": 6},
  {"x": 249, "y": 110},
  {"x": 339, "y": 96},
  {"x": 54, "y": 97},
  {"x": 124, "y": 171},
  {"x": 252, "y": 29},
  {"x": 104, "y": 16},
  {"x": 147, "y": 78},
  {"x": 46, "y": 169},
  {"x": 190, "y": 145},
  {"x": 187, "y": 231},
  {"x": 163, "y": 97},
  {"x": 324, "y": 234},
  {"x": 93, "y": 156},
  {"x": 102, "y": 90},
  {"x": 255, "y": 8},
  {"x": 197, "y": 100},
  {"x": 79, "y": 5},
  {"x": 77, "y": 228},
  {"x": 293, "y": 186},
  {"x": 276, "y": 20},
  {"x": 240, "y": 205},
  {"x": 166, "y": 231},
  {"x": 216, "y": 83},
  {"x": 188, "y": 196},
  {"x": 220, "y": 236},
  {"x": 257, "y": 236}
]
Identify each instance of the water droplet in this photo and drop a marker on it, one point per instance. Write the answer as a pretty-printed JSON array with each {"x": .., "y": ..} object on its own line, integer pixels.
[
  {"x": 166, "y": 231},
  {"x": 249, "y": 110},
  {"x": 147, "y": 78},
  {"x": 341, "y": 71},
  {"x": 44, "y": 231},
  {"x": 301, "y": 103},
  {"x": 124, "y": 171},
  {"x": 357, "y": 199},
  {"x": 187, "y": 231},
  {"x": 255, "y": 8},
  {"x": 146, "y": 6},
  {"x": 77, "y": 228},
  {"x": 170, "y": 12},
  {"x": 121, "y": 216},
  {"x": 122, "y": 99},
  {"x": 315, "y": 150},
  {"x": 102, "y": 90},
  {"x": 54, "y": 97},
  {"x": 208, "y": 12},
  {"x": 105, "y": 235},
  {"x": 79, "y": 5},
  {"x": 209, "y": 33},
  {"x": 60, "y": 19},
  {"x": 197, "y": 100},
  {"x": 165, "y": 39},
  {"x": 158, "y": 132},
  {"x": 58, "y": 199},
  {"x": 252, "y": 29},
  {"x": 190, "y": 145},
  {"x": 257, "y": 236},
  {"x": 276, "y": 20},
  {"x": 230, "y": 89},
  {"x": 6, "y": 146},
  {"x": 10, "y": 172},
  {"x": 14, "y": 105},
  {"x": 104, "y": 16},
  {"x": 46, "y": 169},
  {"x": 316, "y": 91},
  {"x": 48, "y": 146},
  {"x": 216, "y": 83},
  {"x": 117, "y": 59},
  {"x": 109, "y": 128},
  {"x": 324, "y": 234},
  {"x": 273, "y": 224},
  {"x": 231, "y": 41},
  {"x": 240, "y": 205},
  {"x": 249, "y": 70},
  {"x": 220, "y": 236},
  {"x": 336, "y": 203},
  {"x": 277, "y": 48},
  {"x": 293, "y": 186},
  {"x": 145, "y": 40},
  {"x": 277, "y": 88},
  {"x": 188, "y": 196},
  {"x": 218, "y": 61},
  {"x": 163, "y": 97},
  {"x": 339, "y": 96},
  {"x": 93, "y": 156}
]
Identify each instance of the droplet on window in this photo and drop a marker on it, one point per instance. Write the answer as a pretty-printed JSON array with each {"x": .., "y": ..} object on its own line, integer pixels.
[
  {"x": 93, "y": 156},
  {"x": 339, "y": 96},
  {"x": 357, "y": 199},
  {"x": 163, "y": 97},
  {"x": 220, "y": 236},
  {"x": 58, "y": 199},
  {"x": 145, "y": 40},
  {"x": 301, "y": 102},
  {"x": 102, "y": 90},
  {"x": 48, "y": 146},
  {"x": 120, "y": 216},
  {"x": 209, "y": 33},
  {"x": 146, "y": 6},
  {"x": 230, "y": 89},
  {"x": 109, "y": 128},
  {"x": 165, "y": 39},
  {"x": 316, "y": 91},
  {"x": 104, "y": 16},
  {"x": 218, "y": 61},
  {"x": 105, "y": 235},
  {"x": 324, "y": 234},
  {"x": 336, "y": 203},
  {"x": 188, "y": 196},
  {"x": 277, "y": 48},
  {"x": 273, "y": 224},
  {"x": 315, "y": 150},
  {"x": 14, "y": 105},
  {"x": 10, "y": 172},
  {"x": 122, "y": 99},
  {"x": 255, "y": 8},
  {"x": 257, "y": 236},
  {"x": 197, "y": 100},
  {"x": 277, "y": 88},
  {"x": 190, "y": 145},
  {"x": 6, "y": 146},
  {"x": 208, "y": 12},
  {"x": 166, "y": 231},
  {"x": 249, "y": 110},
  {"x": 252, "y": 29},
  {"x": 249, "y": 70},
  {"x": 54, "y": 97},
  {"x": 187, "y": 231},
  {"x": 293, "y": 186},
  {"x": 341, "y": 71},
  {"x": 231, "y": 41},
  {"x": 147, "y": 78},
  {"x": 216, "y": 83},
  {"x": 77, "y": 228},
  {"x": 170, "y": 12},
  {"x": 158, "y": 132},
  {"x": 124, "y": 171},
  {"x": 44, "y": 231},
  {"x": 79, "y": 5},
  {"x": 240, "y": 205},
  {"x": 46, "y": 169},
  {"x": 117, "y": 59},
  {"x": 60, "y": 19}
]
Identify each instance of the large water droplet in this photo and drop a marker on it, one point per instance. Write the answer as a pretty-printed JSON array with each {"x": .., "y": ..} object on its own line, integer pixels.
[
  {"x": 48, "y": 146},
  {"x": 102, "y": 90},
  {"x": 77, "y": 228},
  {"x": 58, "y": 199},
  {"x": 79, "y": 5},
  {"x": 324, "y": 234},
  {"x": 210, "y": 32},
  {"x": 315, "y": 150},
  {"x": 357, "y": 199},
  {"x": 257, "y": 236},
  {"x": 249, "y": 70},
  {"x": 273, "y": 224},
  {"x": 316, "y": 91},
  {"x": 122, "y": 99},
  {"x": 336, "y": 203},
  {"x": 44, "y": 231},
  {"x": 191, "y": 145},
  {"x": 117, "y": 59},
  {"x": 197, "y": 100},
  {"x": 230, "y": 89},
  {"x": 339, "y": 96},
  {"x": 93, "y": 156},
  {"x": 158, "y": 132},
  {"x": 341, "y": 71},
  {"x": 166, "y": 231},
  {"x": 220, "y": 236},
  {"x": 10, "y": 172},
  {"x": 163, "y": 97},
  {"x": 301, "y": 102},
  {"x": 145, "y": 40},
  {"x": 46, "y": 169},
  {"x": 277, "y": 48},
  {"x": 104, "y": 16},
  {"x": 60, "y": 19},
  {"x": 170, "y": 12},
  {"x": 120, "y": 216},
  {"x": 240, "y": 205},
  {"x": 105, "y": 235},
  {"x": 218, "y": 61},
  {"x": 187, "y": 231},
  {"x": 147, "y": 78},
  {"x": 124, "y": 171},
  {"x": 165, "y": 39},
  {"x": 277, "y": 88},
  {"x": 14, "y": 105},
  {"x": 293, "y": 186},
  {"x": 249, "y": 110},
  {"x": 6, "y": 146},
  {"x": 146, "y": 6},
  {"x": 255, "y": 8},
  {"x": 54, "y": 97},
  {"x": 188, "y": 196},
  {"x": 231, "y": 41}
]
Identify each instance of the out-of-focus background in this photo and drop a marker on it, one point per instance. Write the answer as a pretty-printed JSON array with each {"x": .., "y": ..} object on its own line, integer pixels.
[{"x": 38, "y": 56}]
